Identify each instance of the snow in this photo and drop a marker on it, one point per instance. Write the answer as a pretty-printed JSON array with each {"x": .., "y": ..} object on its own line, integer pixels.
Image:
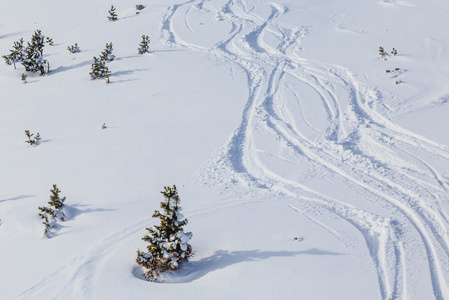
[{"x": 304, "y": 170}]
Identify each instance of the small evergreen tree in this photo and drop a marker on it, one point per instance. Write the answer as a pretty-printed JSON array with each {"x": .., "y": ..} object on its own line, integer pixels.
[
  {"x": 168, "y": 243},
  {"x": 32, "y": 141},
  {"x": 112, "y": 15},
  {"x": 144, "y": 44},
  {"x": 49, "y": 41},
  {"x": 73, "y": 48},
  {"x": 99, "y": 69},
  {"x": 54, "y": 213},
  {"x": 107, "y": 55},
  {"x": 37, "y": 138},
  {"x": 34, "y": 60},
  {"x": 382, "y": 53},
  {"x": 17, "y": 54}
]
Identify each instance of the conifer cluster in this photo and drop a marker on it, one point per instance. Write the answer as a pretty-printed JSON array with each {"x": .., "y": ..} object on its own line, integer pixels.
[
  {"x": 168, "y": 243},
  {"x": 31, "y": 56},
  {"x": 34, "y": 55},
  {"x": 99, "y": 68}
]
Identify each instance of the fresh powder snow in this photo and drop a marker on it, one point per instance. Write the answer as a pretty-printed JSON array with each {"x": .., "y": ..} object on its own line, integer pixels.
[{"x": 308, "y": 140}]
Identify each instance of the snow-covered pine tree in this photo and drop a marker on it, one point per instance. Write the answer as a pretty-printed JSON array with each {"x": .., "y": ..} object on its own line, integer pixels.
[
  {"x": 99, "y": 69},
  {"x": 17, "y": 54},
  {"x": 107, "y": 55},
  {"x": 112, "y": 15},
  {"x": 144, "y": 44},
  {"x": 37, "y": 138},
  {"x": 54, "y": 213},
  {"x": 34, "y": 59},
  {"x": 32, "y": 141},
  {"x": 168, "y": 242}
]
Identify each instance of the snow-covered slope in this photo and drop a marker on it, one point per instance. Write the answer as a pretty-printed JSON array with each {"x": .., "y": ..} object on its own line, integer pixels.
[{"x": 305, "y": 169}]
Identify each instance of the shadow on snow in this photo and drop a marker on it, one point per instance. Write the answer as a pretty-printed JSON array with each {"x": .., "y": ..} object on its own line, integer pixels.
[{"x": 191, "y": 271}]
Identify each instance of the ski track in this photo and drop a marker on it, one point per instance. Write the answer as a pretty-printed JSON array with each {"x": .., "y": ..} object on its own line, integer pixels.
[{"x": 398, "y": 175}]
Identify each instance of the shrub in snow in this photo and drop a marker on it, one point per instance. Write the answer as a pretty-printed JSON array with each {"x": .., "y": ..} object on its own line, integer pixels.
[
  {"x": 34, "y": 58},
  {"x": 144, "y": 44},
  {"x": 168, "y": 242},
  {"x": 54, "y": 213},
  {"x": 112, "y": 15},
  {"x": 382, "y": 53},
  {"x": 17, "y": 54},
  {"x": 32, "y": 140},
  {"x": 73, "y": 48},
  {"x": 107, "y": 55},
  {"x": 99, "y": 69},
  {"x": 24, "y": 78},
  {"x": 49, "y": 41}
]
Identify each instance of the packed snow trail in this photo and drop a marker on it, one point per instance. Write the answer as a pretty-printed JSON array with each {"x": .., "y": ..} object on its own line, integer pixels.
[{"x": 316, "y": 118}]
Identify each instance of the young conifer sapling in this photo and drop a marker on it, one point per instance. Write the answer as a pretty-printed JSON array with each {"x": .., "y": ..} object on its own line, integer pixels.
[
  {"x": 168, "y": 243},
  {"x": 144, "y": 45},
  {"x": 112, "y": 15},
  {"x": 53, "y": 213}
]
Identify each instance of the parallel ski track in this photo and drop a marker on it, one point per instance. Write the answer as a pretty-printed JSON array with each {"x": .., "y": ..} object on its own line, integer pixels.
[
  {"x": 403, "y": 179},
  {"x": 399, "y": 176}
]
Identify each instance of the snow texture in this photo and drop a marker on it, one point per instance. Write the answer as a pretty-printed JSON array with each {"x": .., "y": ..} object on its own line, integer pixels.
[{"x": 308, "y": 167}]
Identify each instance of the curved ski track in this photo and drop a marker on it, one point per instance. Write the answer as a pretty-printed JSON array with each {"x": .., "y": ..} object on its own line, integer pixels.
[
  {"x": 352, "y": 141},
  {"x": 355, "y": 142}
]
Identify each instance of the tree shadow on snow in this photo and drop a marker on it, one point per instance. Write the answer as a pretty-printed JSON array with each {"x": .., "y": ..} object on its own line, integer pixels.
[
  {"x": 221, "y": 259},
  {"x": 127, "y": 72},
  {"x": 18, "y": 198},
  {"x": 77, "y": 209},
  {"x": 13, "y": 34},
  {"x": 66, "y": 68},
  {"x": 70, "y": 213}
]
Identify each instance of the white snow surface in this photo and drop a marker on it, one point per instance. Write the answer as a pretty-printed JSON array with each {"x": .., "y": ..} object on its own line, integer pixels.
[{"x": 305, "y": 171}]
